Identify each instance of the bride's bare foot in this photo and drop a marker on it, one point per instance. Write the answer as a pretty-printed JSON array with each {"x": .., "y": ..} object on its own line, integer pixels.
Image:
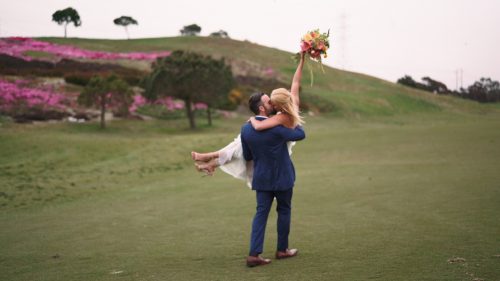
[
  {"x": 205, "y": 157},
  {"x": 206, "y": 168}
]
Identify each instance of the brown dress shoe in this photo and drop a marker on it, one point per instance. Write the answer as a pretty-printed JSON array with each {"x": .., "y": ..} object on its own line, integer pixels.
[
  {"x": 286, "y": 254},
  {"x": 256, "y": 261}
]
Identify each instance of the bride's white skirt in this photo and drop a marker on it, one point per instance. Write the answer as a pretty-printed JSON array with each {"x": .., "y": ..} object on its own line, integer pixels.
[{"x": 232, "y": 162}]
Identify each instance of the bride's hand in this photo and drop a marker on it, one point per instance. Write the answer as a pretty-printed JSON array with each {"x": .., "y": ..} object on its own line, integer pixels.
[{"x": 253, "y": 122}]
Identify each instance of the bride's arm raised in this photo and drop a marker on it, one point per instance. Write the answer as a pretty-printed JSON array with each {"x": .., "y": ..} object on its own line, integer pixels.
[
  {"x": 276, "y": 120},
  {"x": 296, "y": 81}
]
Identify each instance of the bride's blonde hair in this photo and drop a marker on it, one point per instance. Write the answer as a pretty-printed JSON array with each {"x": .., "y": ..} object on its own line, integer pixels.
[{"x": 283, "y": 101}]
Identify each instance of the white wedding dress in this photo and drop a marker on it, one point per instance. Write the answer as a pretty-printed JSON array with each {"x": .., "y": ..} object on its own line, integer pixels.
[{"x": 232, "y": 162}]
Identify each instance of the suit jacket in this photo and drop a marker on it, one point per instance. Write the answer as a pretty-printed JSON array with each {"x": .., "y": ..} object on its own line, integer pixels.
[{"x": 272, "y": 167}]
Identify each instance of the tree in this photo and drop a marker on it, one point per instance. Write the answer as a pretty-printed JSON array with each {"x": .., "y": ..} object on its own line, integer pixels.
[
  {"x": 407, "y": 81},
  {"x": 221, "y": 33},
  {"x": 217, "y": 85},
  {"x": 435, "y": 86},
  {"x": 190, "y": 30},
  {"x": 105, "y": 92},
  {"x": 125, "y": 21},
  {"x": 190, "y": 77},
  {"x": 484, "y": 90},
  {"x": 430, "y": 84},
  {"x": 66, "y": 16}
]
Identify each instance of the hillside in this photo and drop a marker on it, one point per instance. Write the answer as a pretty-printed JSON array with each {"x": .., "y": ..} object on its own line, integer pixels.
[
  {"x": 342, "y": 92},
  {"x": 257, "y": 68}
]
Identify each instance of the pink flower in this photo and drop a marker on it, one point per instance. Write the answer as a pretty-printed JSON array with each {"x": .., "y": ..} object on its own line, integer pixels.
[
  {"x": 305, "y": 46},
  {"x": 179, "y": 105},
  {"x": 138, "y": 101},
  {"x": 200, "y": 105},
  {"x": 269, "y": 71},
  {"x": 17, "y": 94}
]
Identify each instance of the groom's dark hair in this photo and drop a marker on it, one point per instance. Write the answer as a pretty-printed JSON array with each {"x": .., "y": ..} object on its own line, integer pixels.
[{"x": 255, "y": 101}]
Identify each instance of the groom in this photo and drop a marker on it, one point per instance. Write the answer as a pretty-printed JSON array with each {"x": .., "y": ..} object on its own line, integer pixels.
[{"x": 273, "y": 177}]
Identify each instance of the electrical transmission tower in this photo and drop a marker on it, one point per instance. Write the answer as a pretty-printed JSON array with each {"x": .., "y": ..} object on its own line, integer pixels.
[
  {"x": 342, "y": 40},
  {"x": 459, "y": 76}
]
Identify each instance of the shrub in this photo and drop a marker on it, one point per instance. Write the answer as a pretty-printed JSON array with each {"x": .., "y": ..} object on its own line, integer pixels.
[
  {"x": 25, "y": 103},
  {"x": 74, "y": 72},
  {"x": 77, "y": 79}
]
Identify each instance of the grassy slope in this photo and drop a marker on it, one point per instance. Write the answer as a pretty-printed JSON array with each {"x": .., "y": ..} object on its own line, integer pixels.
[
  {"x": 389, "y": 199},
  {"x": 352, "y": 94}
]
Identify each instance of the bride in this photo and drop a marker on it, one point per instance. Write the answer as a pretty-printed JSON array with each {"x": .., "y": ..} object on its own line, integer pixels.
[{"x": 230, "y": 158}]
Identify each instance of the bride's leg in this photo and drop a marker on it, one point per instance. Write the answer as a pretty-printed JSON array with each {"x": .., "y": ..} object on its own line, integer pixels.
[{"x": 204, "y": 156}]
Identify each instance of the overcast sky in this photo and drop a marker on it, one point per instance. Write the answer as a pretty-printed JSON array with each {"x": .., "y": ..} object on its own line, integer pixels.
[{"x": 383, "y": 38}]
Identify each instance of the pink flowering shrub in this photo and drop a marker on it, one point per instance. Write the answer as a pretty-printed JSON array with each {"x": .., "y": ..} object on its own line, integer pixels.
[
  {"x": 163, "y": 108},
  {"x": 18, "y": 46},
  {"x": 200, "y": 106},
  {"x": 170, "y": 104},
  {"x": 137, "y": 101},
  {"x": 19, "y": 100},
  {"x": 269, "y": 71},
  {"x": 161, "y": 104}
]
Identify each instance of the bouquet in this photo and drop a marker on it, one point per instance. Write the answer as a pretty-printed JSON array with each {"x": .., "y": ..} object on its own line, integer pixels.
[{"x": 315, "y": 45}]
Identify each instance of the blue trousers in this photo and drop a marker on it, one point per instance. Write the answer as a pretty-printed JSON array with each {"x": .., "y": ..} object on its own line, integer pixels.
[{"x": 284, "y": 208}]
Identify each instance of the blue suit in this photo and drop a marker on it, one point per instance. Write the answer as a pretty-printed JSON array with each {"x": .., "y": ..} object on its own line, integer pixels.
[{"x": 273, "y": 177}]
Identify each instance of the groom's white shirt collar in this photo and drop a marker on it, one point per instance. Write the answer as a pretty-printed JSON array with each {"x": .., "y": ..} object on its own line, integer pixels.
[{"x": 261, "y": 116}]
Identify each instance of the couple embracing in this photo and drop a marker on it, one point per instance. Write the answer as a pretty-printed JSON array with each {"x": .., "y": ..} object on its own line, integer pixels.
[{"x": 261, "y": 156}]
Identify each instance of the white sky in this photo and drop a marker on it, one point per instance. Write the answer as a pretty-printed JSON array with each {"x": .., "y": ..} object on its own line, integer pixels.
[{"x": 383, "y": 38}]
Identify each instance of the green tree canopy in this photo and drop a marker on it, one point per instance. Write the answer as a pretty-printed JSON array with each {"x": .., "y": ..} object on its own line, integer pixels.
[
  {"x": 435, "y": 86},
  {"x": 407, "y": 80},
  {"x": 217, "y": 85},
  {"x": 125, "y": 21},
  {"x": 221, "y": 33},
  {"x": 190, "y": 30},
  {"x": 106, "y": 92},
  {"x": 484, "y": 90},
  {"x": 429, "y": 84},
  {"x": 66, "y": 16},
  {"x": 190, "y": 77}
]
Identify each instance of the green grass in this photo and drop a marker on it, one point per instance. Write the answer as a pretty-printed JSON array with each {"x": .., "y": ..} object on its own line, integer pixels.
[
  {"x": 384, "y": 198},
  {"x": 40, "y": 55}
]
